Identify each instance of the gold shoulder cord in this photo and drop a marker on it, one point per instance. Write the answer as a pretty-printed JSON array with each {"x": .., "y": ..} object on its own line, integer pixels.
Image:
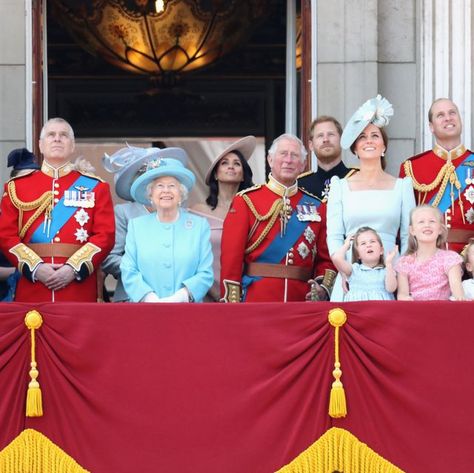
[
  {"x": 41, "y": 204},
  {"x": 444, "y": 176},
  {"x": 272, "y": 214}
]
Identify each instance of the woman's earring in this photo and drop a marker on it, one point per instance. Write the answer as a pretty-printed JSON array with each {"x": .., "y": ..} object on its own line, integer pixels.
[{"x": 383, "y": 154}]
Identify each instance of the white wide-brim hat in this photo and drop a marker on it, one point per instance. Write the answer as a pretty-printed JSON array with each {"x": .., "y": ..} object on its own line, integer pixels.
[
  {"x": 127, "y": 162},
  {"x": 377, "y": 110},
  {"x": 160, "y": 168},
  {"x": 246, "y": 146}
]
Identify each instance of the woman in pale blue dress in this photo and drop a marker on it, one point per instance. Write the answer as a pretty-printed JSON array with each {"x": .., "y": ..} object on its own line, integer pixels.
[{"x": 370, "y": 197}]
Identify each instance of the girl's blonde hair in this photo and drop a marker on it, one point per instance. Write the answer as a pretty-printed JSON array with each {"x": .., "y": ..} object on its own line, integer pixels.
[
  {"x": 355, "y": 253},
  {"x": 412, "y": 246}
]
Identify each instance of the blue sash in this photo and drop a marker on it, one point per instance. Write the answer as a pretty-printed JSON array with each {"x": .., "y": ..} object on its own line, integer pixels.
[
  {"x": 279, "y": 246},
  {"x": 61, "y": 213},
  {"x": 445, "y": 201}
]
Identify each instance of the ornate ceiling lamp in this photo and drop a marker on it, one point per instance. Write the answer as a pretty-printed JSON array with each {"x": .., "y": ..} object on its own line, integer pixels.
[{"x": 156, "y": 37}]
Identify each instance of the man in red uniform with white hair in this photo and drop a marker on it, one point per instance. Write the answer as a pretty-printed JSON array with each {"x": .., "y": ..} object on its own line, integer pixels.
[
  {"x": 274, "y": 237},
  {"x": 57, "y": 224},
  {"x": 443, "y": 176}
]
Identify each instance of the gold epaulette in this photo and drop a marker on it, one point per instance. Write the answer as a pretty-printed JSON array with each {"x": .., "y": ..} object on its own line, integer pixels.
[
  {"x": 41, "y": 204},
  {"x": 304, "y": 191},
  {"x": 304, "y": 174},
  {"x": 249, "y": 189},
  {"x": 89, "y": 174}
]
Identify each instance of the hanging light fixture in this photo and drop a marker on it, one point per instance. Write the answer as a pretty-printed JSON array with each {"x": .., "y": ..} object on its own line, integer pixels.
[{"x": 156, "y": 37}]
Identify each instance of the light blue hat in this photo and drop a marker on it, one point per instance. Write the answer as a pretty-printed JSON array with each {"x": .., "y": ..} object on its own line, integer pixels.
[
  {"x": 128, "y": 161},
  {"x": 159, "y": 168},
  {"x": 377, "y": 111}
]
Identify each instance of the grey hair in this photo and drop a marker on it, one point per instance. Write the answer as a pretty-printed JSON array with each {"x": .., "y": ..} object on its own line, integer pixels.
[
  {"x": 288, "y": 136},
  {"x": 183, "y": 190},
  {"x": 57, "y": 120}
]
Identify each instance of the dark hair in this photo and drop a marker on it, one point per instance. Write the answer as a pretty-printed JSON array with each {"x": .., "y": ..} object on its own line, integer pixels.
[
  {"x": 324, "y": 119},
  {"x": 214, "y": 185},
  {"x": 385, "y": 142}
]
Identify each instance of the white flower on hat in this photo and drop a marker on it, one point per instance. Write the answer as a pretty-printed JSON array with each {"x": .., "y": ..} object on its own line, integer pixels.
[
  {"x": 383, "y": 112},
  {"x": 377, "y": 110}
]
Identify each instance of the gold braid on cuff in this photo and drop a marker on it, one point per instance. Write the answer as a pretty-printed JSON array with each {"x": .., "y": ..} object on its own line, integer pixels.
[
  {"x": 328, "y": 280},
  {"x": 84, "y": 256},
  {"x": 26, "y": 256},
  {"x": 232, "y": 291}
]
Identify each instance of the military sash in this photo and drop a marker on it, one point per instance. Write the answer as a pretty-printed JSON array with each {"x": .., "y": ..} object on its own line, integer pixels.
[
  {"x": 63, "y": 211},
  {"x": 279, "y": 246},
  {"x": 445, "y": 201}
]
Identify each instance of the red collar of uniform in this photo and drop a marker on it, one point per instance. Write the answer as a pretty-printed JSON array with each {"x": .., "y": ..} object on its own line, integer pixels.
[
  {"x": 56, "y": 173},
  {"x": 452, "y": 154},
  {"x": 280, "y": 189}
]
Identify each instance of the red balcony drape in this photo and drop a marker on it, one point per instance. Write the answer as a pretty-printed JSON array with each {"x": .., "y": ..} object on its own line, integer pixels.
[{"x": 244, "y": 387}]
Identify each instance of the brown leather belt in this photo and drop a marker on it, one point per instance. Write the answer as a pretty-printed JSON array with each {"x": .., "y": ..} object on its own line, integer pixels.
[
  {"x": 269, "y": 270},
  {"x": 50, "y": 250},
  {"x": 456, "y": 235}
]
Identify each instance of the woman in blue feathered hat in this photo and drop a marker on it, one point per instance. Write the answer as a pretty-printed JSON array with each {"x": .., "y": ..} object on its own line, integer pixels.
[
  {"x": 370, "y": 197},
  {"x": 168, "y": 255}
]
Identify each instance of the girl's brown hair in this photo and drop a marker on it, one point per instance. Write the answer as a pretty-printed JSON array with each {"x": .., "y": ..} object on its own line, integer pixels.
[
  {"x": 355, "y": 253},
  {"x": 412, "y": 246}
]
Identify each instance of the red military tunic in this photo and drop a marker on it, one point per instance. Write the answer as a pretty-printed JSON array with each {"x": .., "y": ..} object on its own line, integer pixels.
[
  {"x": 83, "y": 241},
  {"x": 435, "y": 174},
  {"x": 253, "y": 224}
]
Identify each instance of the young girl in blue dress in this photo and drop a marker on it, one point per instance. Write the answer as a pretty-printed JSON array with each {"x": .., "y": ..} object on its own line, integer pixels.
[{"x": 370, "y": 276}]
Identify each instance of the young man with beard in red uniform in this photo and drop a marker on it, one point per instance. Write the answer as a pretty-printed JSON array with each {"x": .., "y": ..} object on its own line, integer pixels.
[
  {"x": 443, "y": 176},
  {"x": 274, "y": 237},
  {"x": 57, "y": 224}
]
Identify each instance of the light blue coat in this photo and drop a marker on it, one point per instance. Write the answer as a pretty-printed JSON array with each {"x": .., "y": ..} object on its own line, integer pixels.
[{"x": 164, "y": 257}]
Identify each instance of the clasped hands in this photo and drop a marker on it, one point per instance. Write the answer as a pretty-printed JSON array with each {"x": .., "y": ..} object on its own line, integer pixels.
[{"x": 55, "y": 276}]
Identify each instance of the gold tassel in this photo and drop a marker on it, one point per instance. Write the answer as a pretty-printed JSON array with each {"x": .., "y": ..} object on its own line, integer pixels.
[
  {"x": 337, "y": 399},
  {"x": 34, "y": 401}
]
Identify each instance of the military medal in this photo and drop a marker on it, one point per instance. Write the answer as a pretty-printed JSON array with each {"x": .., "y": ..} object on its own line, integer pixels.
[
  {"x": 307, "y": 213},
  {"x": 468, "y": 179},
  {"x": 469, "y": 194},
  {"x": 303, "y": 250},
  {"x": 470, "y": 215},
  {"x": 81, "y": 197},
  {"x": 309, "y": 235},
  {"x": 82, "y": 217},
  {"x": 81, "y": 235},
  {"x": 325, "y": 192}
]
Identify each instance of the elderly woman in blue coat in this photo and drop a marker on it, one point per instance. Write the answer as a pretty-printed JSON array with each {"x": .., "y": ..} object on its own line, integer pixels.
[{"x": 168, "y": 255}]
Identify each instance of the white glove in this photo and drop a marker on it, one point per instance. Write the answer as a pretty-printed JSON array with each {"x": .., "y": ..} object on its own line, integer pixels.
[
  {"x": 151, "y": 297},
  {"x": 181, "y": 295}
]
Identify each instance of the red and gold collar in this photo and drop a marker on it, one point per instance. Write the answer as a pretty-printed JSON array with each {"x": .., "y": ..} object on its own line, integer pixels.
[
  {"x": 56, "y": 173},
  {"x": 451, "y": 155}
]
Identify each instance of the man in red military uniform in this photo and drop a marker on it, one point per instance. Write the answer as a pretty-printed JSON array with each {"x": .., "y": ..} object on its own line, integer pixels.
[
  {"x": 57, "y": 224},
  {"x": 443, "y": 176},
  {"x": 274, "y": 237}
]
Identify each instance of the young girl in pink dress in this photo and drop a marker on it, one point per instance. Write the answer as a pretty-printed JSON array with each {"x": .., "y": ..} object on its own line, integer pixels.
[{"x": 427, "y": 271}]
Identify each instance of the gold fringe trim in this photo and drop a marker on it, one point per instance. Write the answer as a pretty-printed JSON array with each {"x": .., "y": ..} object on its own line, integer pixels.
[
  {"x": 34, "y": 400},
  {"x": 337, "y": 399},
  {"x": 32, "y": 452},
  {"x": 339, "y": 450}
]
